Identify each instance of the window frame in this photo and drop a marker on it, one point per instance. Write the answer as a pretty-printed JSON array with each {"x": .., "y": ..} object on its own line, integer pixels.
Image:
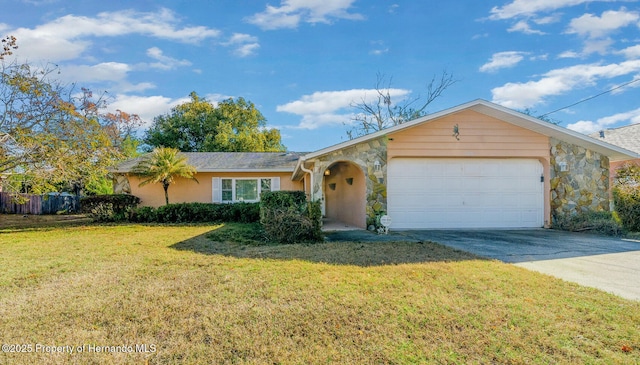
[{"x": 273, "y": 187}]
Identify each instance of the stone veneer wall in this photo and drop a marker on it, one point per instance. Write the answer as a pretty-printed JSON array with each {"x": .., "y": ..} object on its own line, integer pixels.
[
  {"x": 121, "y": 184},
  {"x": 584, "y": 186},
  {"x": 364, "y": 155}
]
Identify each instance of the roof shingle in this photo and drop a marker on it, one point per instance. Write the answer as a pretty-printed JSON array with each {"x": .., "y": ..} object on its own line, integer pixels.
[
  {"x": 627, "y": 137},
  {"x": 231, "y": 161}
]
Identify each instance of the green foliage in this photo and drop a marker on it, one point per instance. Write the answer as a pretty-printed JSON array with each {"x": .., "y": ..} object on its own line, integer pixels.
[
  {"x": 282, "y": 199},
  {"x": 627, "y": 203},
  {"x": 99, "y": 186},
  {"x": 199, "y": 126},
  {"x": 628, "y": 175},
  {"x": 597, "y": 222},
  {"x": 109, "y": 208},
  {"x": 163, "y": 165},
  {"x": 314, "y": 213},
  {"x": 51, "y": 134},
  {"x": 287, "y": 217},
  {"x": 626, "y": 196},
  {"x": 198, "y": 213}
]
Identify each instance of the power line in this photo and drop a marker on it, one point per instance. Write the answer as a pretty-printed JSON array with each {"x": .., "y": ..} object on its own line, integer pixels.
[{"x": 591, "y": 97}]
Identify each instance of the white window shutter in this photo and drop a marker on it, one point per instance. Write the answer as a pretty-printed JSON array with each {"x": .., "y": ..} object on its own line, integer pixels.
[
  {"x": 216, "y": 189},
  {"x": 275, "y": 184}
]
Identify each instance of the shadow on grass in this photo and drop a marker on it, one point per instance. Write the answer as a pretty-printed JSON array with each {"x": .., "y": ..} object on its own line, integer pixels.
[
  {"x": 245, "y": 241},
  {"x": 20, "y": 222}
]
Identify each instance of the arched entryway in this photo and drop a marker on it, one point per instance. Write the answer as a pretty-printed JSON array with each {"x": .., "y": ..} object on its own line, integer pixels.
[{"x": 344, "y": 188}]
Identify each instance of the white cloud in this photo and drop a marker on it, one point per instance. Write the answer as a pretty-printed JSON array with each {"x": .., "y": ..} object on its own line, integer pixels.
[
  {"x": 106, "y": 71},
  {"x": 542, "y": 57},
  {"x": 547, "y": 19},
  {"x": 378, "y": 52},
  {"x": 587, "y": 127},
  {"x": 146, "y": 107},
  {"x": 379, "y": 48},
  {"x": 291, "y": 12},
  {"x": 315, "y": 121},
  {"x": 569, "y": 54},
  {"x": 323, "y": 107},
  {"x": 246, "y": 50},
  {"x": 244, "y": 44},
  {"x": 592, "y": 26},
  {"x": 114, "y": 73},
  {"x": 165, "y": 62},
  {"x": 600, "y": 46},
  {"x": 632, "y": 52},
  {"x": 524, "y": 27},
  {"x": 526, "y": 8},
  {"x": 558, "y": 82},
  {"x": 69, "y": 36},
  {"x": 502, "y": 60}
]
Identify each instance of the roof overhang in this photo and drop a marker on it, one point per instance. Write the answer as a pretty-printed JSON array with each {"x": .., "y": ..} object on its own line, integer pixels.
[{"x": 614, "y": 153}]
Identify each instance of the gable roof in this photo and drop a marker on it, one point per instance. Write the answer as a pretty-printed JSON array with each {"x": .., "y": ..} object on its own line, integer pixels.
[
  {"x": 615, "y": 153},
  {"x": 231, "y": 162},
  {"x": 627, "y": 137}
]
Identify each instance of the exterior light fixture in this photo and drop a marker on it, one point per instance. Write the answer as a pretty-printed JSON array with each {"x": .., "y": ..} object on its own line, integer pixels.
[
  {"x": 327, "y": 172},
  {"x": 377, "y": 171},
  {"x": 377, "y": 166},
  {"x": 563, "y": 166}
]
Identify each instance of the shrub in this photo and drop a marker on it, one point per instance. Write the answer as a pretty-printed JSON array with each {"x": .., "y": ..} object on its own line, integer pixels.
[
  {"x": 119, "y": 202},
  {"x": 143, "y": 215},
  {"x": 109, "y": 208},
  {"x": 597, "y": 222},
  {"x": 198, "y": 212},
  {"x": 626, "y": 199},
  {"x": 287, "y": 217},
  {"x": 284, "y": 198}
]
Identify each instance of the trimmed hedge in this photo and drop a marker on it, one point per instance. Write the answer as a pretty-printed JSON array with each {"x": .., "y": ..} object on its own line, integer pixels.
[
  {"x": 119, "y": 202},
  {"x": 287, "y": 217},
  {"x": 109, "y": 208},
  {"x": 198, "y": 213}
]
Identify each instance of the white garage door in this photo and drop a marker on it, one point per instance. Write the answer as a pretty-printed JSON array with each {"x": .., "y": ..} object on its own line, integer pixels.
[{"x": 465, "y": 193}]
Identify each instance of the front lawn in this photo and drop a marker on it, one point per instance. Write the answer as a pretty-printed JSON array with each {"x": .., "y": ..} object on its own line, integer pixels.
[{"x": 193, "y": 294}]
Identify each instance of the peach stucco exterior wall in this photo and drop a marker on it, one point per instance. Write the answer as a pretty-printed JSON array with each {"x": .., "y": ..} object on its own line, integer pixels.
[
  {"x": 187, "y": 191},
  {"x": 346, "y": 203},
  {"x": 479, "y": 136}
]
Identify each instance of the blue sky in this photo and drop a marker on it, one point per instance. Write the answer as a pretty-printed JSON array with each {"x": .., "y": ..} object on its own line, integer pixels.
[{"x": 303, "y": 62}]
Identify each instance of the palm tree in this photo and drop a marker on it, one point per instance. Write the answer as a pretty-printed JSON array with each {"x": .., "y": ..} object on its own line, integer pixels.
[{"x": 163, "y": 165}]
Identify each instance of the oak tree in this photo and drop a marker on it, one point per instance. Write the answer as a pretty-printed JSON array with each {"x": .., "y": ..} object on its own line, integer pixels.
[{"x": 233, "y": 125}]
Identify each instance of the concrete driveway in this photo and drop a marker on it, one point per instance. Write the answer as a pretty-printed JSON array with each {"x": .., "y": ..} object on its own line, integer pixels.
[{"x": 607, "y": 263}]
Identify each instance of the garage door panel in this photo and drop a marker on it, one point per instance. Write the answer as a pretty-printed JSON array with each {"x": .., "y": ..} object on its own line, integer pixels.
[{"x": 465, "y": 193}]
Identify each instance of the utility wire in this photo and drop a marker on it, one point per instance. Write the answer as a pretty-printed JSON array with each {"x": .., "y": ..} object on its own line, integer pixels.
[{"x": 591, "y": 97}]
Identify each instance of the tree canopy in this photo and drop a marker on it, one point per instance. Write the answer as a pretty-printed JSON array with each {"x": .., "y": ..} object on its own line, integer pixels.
[
  {"x": 200, "y": 126},
  {"x": 53, "y": 135}
]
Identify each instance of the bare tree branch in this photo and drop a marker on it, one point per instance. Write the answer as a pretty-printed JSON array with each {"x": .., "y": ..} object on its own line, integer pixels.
[{"x": 383, "y": 112}]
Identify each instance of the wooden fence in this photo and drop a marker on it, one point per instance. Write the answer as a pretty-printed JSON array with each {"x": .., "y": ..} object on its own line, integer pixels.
[{"x": 38, "y": 204}]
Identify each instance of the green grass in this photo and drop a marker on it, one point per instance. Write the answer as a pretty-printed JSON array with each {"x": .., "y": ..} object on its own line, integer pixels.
[{"x": 200, "y": 296}]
